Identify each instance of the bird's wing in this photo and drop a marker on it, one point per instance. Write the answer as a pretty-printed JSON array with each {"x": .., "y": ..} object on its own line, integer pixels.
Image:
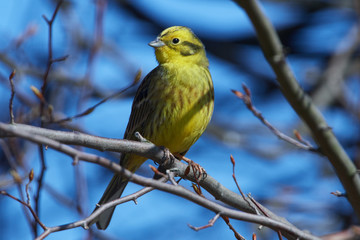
[{"x": 141, "y": 107}]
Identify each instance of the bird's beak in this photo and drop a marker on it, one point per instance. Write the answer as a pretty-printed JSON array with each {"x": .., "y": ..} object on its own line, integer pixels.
[{"x": 156, "y": 43}]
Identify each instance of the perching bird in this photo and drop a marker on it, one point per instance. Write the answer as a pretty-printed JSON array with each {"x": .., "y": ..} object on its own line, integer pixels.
[{"x": 172, "y": 106}]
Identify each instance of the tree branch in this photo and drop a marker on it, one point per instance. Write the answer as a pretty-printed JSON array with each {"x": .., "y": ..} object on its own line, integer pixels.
[
  {"x": 302, "y": 103},
  {"x": 12, "y": 96},
  {"x": 86, "y": 221},
  {"x": 42, "y": 106},
  {"x": 246, "y": 98},
  {"x": 43, "y": 136}
]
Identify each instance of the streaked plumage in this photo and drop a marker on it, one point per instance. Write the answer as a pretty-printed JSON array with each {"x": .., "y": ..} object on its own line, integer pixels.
[{"x": 172, "y": 106}]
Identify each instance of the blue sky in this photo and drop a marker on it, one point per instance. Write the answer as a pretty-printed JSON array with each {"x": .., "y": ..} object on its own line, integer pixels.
[{"x": 292, "y": 183}]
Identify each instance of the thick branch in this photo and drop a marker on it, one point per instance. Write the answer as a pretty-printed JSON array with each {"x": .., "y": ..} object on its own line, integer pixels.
[
  {"x": 52, "y": 139},
  {"x": 302, "y": 104},
  {"x": 174, "y": 189},
  {"x": 144, "y": 149}
]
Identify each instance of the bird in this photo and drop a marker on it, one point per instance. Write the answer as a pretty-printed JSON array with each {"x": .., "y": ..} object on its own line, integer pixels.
[{"x": 172, "y": 106}]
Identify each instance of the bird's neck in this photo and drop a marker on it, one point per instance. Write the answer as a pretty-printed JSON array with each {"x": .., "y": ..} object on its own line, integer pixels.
[{"x": 197, "y": 59}]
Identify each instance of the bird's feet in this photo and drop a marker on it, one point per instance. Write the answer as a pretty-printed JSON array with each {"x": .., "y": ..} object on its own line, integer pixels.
[
  {"x": 168, "y": 159},
  {"x": 199, "y": 171}
]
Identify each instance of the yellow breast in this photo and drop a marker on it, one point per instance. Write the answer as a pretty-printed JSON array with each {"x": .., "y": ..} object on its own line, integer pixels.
[{"x": 186, "y": 108}]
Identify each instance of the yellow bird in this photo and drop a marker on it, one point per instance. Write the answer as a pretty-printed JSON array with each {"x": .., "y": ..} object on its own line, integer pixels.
[{"x": 171, "y": 108}]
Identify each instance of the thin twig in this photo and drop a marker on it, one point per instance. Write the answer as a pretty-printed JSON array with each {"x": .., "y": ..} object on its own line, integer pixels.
[
  {"x": 59, "y": 59},
  {"x": 279, "y": 235},
  {"x": 26, "y": 205},
  {"x": 213, "y": 220},
  {"x": 40, "y": 182},
  {"x": 88, "y": 221},
  {"x": 96, "y": 44},
  {"x": 248, "y": 102},
  {"x": 238, "y": 186},
  {"x": 91, "y": 109},
  {"x": 263, "y": 212},
  {"x": 17, "y": 179},
  {"x": 197, "y": 189},
  {"x": 12, "y": 96},
  {"x": 210, "y": 224},
  {"x": 30, "y": 31},
  {"x": 42, "y": 104},
  {"x": 50, "y": 51},
  {"x": 98, "y": 35},
  {"x": 30, "y": 177},
  {"x": 171, "y": 174},
  {"x": 234, "y": 177},
  {"x": 236, "y": 234}
]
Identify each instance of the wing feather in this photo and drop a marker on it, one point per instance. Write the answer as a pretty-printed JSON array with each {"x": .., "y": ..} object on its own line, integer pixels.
[{"x": 142, "y": 107}]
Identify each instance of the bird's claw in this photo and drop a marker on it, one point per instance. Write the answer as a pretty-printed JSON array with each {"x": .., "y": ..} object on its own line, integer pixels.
[
  {"x": 199, "y": 171},
  {"x": 168, "y": 158}
]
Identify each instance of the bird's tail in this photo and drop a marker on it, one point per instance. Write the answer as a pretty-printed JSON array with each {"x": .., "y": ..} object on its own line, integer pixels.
[{"x": 112, "y": 192}]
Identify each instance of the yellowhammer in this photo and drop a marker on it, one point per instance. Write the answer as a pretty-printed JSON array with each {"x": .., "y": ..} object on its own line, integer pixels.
[{"x": 172, "y": 106}]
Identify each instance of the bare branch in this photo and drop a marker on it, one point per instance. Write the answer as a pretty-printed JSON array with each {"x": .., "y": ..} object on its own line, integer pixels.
[
  {"x": 91, "y": 109},
  {"x": 302, "y": 103},
  {"x": 248, "y": 102},
  {"x": 26, "y": 205},
  {"x": 50, "y": 61},
  {"x": 236, "y": 234},
  {"x": 12, "y": 96},
  {"x": 144, "y": 149},
  {"x": 59, "y": 59},
  {"x": 31, "y": 177},
  {"x": 234, "y": 177},
  {"x": 50, "y": 50},
  {"x": 237, "y": 185},
  {"x": 210, "y": 224},
  {"x": 30, "y": 31},
  {"x": 278, "y": 224}
]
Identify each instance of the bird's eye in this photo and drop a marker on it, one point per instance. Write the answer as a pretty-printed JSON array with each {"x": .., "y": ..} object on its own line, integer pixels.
[{"x": 175, "y": 40}]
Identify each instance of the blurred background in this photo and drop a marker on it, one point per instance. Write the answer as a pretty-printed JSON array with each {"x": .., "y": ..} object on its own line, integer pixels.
[{"x": 106, "y": 44}]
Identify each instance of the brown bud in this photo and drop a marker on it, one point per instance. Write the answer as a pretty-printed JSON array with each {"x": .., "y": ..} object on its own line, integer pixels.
[
  {"x": 297, "y": 135},
  {"x": 12, "y": 74},
  {"x": 232, "y": 160},
  {"x": 154, "y": 169},
  {"x": 37, "y": 93},
  {"x": 196, "y": 189},
  {"x": 254, "y": 236},
  {"x": 247, "y": 90},
  {"x": 238, "y": 94},
  {"x": 16, "y": 176},
  {"x": 31, "y": 175},
  {"x": 137, "y": 76}
]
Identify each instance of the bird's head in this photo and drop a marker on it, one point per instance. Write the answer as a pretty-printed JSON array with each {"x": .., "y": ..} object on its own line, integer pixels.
[{"x": 179, "y": 44}]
